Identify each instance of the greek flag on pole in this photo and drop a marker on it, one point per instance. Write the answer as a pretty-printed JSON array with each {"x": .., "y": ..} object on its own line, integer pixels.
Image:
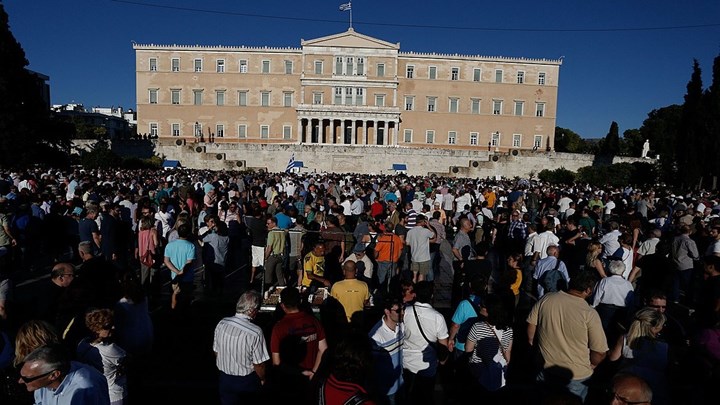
[
  {"x": 346, "y": 6},
  {"x": 291, "y": 163}
]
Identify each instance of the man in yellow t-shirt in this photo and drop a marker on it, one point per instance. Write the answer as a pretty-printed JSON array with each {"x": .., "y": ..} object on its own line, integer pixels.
[
  {"x": 569, "y": 334},
  {"x": 352, "y": 293},
  {"x": 314, "y": 267}
]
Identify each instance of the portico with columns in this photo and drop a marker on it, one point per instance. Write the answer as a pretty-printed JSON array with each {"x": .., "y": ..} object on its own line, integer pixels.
[{"x": 335, "y": 128}]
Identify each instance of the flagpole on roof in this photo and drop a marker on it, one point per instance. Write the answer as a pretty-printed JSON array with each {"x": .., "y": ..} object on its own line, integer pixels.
[{"x": 347, "y": 7}]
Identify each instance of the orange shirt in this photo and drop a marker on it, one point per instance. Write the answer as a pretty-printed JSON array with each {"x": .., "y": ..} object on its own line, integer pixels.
[
  {"x": 388, "y": 248},
  {"x": 490, "y": 198}
]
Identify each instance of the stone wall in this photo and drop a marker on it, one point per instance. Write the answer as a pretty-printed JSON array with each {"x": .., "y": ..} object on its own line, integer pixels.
[{"x": 364, "y": 159}]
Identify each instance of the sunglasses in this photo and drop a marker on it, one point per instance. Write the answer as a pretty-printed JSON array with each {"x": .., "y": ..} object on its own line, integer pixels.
[{"x": 28, "y": 380}]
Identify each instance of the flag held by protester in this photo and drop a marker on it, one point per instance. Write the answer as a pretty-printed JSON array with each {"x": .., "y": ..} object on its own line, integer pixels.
[
  {"x": 291, "y": 163},
  {"x": 346, "y": 6}
]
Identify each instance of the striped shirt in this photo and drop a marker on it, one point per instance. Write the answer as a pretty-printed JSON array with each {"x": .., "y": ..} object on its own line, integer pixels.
[
  {"x": 239, "y": 345},
  {"x": 387, "y": 352},
  {"x": 486, "y": 342}
]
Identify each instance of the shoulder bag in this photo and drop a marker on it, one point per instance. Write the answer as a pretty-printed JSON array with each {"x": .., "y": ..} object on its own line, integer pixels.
[{"x": 443, "y": 353}]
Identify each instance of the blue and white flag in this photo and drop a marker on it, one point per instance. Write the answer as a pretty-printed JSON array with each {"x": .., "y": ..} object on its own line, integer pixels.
[
  {"x": 346, "y": 6},
  {"x": 291, "y": 163}
]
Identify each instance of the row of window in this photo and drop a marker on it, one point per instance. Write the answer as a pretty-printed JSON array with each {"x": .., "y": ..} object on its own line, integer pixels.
[
  {"x": 350, "y": 96},
  {"x": 473, "y": 139},
  {"x": 242, "y": 130},
  {"x": 220, "y": 99},
  {"x": 454, "y": 106},
  {"x": 242, "y": 133},
  {"x": 346, "y": 66},
  {"x": 432, "y": 74},
  {"x": 219, "y": 65}
]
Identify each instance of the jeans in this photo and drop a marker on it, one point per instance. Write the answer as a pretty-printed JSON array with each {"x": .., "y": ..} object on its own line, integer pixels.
[{"x": 553, "y": 383}]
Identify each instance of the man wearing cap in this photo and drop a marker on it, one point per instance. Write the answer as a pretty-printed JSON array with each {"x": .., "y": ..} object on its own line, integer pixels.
[
  {"x": 364, "y": 265},
  {"x": 517, "y": 231}
]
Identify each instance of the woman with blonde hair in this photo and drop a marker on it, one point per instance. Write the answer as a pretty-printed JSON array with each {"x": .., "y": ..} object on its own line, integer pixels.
[
  {"x": 108, "y": 358},
  {"x": 183, "y": 218},
  {"x": 642, "y": 353},
  {"x": 593, "y": 261},
  {"x": 31, "y": 335}
]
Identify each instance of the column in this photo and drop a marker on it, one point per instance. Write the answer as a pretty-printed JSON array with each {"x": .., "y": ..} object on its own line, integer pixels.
[
  {"x": 365, "y": 132},
  {"x": 299, "y": 131},
  {"x": 323, "y": 131},
  {"x": 394, "y": 133},
  {"x": 334, "y": 132},
  {"x": 385, "y": 133},
  {"x": 352, "y": 131}
]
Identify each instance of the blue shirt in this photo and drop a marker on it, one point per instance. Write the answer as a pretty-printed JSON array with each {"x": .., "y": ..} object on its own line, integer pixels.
[
  {"x": 283, "y": 221},
  {"x": 545, "y": 265},
  {"x": 463, "y": 312},
  {"x": 83, "y": 385},
  {"x": 181, "y": 251}
]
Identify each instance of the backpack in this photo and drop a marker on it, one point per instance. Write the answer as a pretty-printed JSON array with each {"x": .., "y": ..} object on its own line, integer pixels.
[{"x": 553, "y": 280}]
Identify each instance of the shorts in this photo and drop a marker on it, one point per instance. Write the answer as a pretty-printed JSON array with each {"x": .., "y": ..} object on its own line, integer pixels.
[
  {"x": 422, "y": 268},
  {"x": 258, "y": 256}
]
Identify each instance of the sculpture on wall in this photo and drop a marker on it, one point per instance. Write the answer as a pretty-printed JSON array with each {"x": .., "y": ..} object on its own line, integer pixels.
[{"x": 645, "y": 149}]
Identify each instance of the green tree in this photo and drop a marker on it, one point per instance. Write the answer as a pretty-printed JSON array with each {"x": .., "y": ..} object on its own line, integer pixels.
[
  {"x": 690, "y": 141},
  {"x": 712, "y": 108},
  {"x": 24, "y": 115},
  {"x": 557, "y": 176},
  {"x": 632, "y": 143},
  {"x": 661, "y": 129},
  {"x": 610, "y": 145},
  {"x": 100, "y": 156},
  {"x": 567, "y": 140}
]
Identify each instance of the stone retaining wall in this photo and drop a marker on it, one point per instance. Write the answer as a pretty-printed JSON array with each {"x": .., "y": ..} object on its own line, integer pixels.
[{"x": 364, "y": 159}]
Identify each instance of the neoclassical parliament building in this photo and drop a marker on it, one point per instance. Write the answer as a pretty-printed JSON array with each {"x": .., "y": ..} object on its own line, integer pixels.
[{"x": 345, "y": 89}]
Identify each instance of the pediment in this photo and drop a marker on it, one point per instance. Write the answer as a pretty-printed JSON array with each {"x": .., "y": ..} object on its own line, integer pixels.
[{"x": 350, "y": 39}]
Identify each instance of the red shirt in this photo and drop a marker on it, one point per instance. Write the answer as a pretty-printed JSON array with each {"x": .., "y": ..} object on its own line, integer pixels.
[
  {"x": 336, "y": 392},
  {"x": 376, "y": 209},
  {"x": 297, "y": 328}
]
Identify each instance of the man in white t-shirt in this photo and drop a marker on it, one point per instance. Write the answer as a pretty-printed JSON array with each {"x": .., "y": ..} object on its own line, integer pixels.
[
  {"x": 714, "y": 248},
  {"x": 543, "y": 240}
]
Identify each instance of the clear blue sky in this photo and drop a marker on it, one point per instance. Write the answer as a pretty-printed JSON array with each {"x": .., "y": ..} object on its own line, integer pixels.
[{"x": 618, "y": 65}]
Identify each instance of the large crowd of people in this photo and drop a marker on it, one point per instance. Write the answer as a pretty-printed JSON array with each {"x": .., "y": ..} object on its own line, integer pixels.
[{"x": 556, "y": 293}]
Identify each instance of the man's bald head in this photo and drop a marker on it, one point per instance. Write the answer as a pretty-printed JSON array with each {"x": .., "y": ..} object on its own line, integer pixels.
[
  {"x": 628, "y": 388},
  {"x": 350, "y": 269},
  {"x": 553, "y": 250},
  {"x": 62, "y": 274}
]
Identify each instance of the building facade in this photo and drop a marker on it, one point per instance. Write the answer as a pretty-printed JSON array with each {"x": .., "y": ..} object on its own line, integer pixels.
[{"x": 345, "y": 89}]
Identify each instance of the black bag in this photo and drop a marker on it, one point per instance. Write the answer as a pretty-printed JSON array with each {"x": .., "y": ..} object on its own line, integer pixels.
[{"x": 442, "y": 351}]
